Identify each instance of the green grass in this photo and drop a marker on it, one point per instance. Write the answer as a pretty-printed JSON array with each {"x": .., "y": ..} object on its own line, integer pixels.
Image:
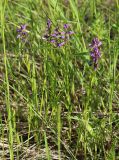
[{"x": 53, "y": 104}]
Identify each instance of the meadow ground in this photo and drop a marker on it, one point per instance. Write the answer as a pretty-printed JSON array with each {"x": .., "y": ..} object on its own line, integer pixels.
[{"x": 59, "y": 85}]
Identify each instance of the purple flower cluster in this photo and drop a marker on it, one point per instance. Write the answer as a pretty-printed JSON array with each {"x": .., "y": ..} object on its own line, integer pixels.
[
  {"x": 95, "y": 51},
  {"x": 22, "y": 32},
  {"x": 57, "y": 37},
  {"x": 60, "y": 36}
]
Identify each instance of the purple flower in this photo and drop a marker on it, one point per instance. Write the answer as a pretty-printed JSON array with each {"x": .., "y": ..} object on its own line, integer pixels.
[
  {"x": 58, "y": 37},
  {"x": 54, "y": 35},
  {"x": 61, "y": 44},
  {"x": 95, "y": 51},
  {"x": 52, "y": 41},
  {"x": 22, "y": 32},
  {"x": 70, "y": 32},
  {"x": 62, "y": 37},
  {"x": 95, "y": 43},
  {"x": 66, "y": 26},
  {"x": 21, "y": 28},
  {"x": 49, "y": 23}
]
